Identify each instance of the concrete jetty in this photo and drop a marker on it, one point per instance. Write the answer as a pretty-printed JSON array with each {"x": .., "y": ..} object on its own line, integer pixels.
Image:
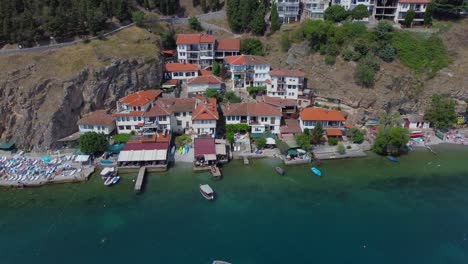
[
  {"x": 140, "y": 179},
  {"x": 246, "y": 160}
]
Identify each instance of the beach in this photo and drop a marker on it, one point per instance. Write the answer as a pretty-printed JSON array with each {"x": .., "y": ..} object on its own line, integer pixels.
[{"x": 364, "y": 210}]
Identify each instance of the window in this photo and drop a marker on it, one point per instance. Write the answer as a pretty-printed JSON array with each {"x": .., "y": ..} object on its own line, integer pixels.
[
  {"x": 176, "y": 114},
  {"x": 228, "y": 118},
  {"x": 184, "y": 113},
  {"x": 128, "y": 118},
  {"x": 179, "y": 122},
  {"x": 404, "y": 6},
  {"x": 162, "y": 118},
  {"x": 264, "y": 119},
  {"x": 121, "y": 127},
  {"x": 237, "y": 118},
  {"x": 128, "y": 127}
]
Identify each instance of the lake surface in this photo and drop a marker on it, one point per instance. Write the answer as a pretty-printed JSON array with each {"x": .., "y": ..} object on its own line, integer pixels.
[{"x": 366, "y": 210}]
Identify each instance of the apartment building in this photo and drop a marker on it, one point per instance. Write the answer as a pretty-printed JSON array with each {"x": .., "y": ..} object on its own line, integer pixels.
[
  {"x": 98, "y": 121},
  {"x": 180, "y": 71},
  {"x": 286, "y": 84},
  {"x": 205, "y": 117},
  {"x": 247, "y": 70},
  {"x": 259, "y": 116},
  {"x": 314, "y": 8},
  {"x": 288, "y": 10}
]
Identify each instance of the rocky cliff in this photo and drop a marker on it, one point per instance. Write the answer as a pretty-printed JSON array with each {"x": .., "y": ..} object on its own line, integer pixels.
[{"x": 38, "y": 114}]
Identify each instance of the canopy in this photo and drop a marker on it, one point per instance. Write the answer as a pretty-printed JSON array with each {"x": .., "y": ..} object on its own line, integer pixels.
[
  {"x": 82, "y": 158},
  {"x": 209, "y": 157},
  {"x": 270, "y": 141},
  {"x": 142, "y": 155},
  {"x": 220, "y": 149},
  {"x": 292, "y": 152},
  {"x": 301, "y": 151},
  {"x": 115, "y": 148},
  {"x": 45, "y": 159}
]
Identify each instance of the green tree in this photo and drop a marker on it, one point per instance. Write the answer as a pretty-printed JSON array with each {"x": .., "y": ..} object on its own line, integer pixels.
[
  {"x": 359, "y": 12},
  {"x": 232, "y": 97},
  {"x": 212, "y": 93},
  {"x": 441, "y": 112},
  {"x": 182, "y": 140},
  {"x": 303, "y": 140},
  {"x": 390, "y": 141},
  {"x": 429, "y": 13},
  {"x": 332, "y": 141},
  {"x": 275, "y": 24},
  {"x": 255, "y": 90},
  {"x": 449, "y": 8},
  {"x": 93, "y": 143},
  {"x": 335, "y": 13},
  {"x": 382, "y": 31},
  {"x": 195, "y": 24},
  {"x": 387, "y": 53},
  {"x": 355, "y": 135},
  {"x": 317, "y": 133},
  {"x": 257, "y": 24},
  {"x": 409, "y": 17},
  {"x": 251, "y": 46},
  {"x": 260, "y": 142},
  {"x": 138, "y": 17},
  {"x": 364, "y": 75},
  {"x": 215, "y": 68},
  {"x": 233, "y": 15}
]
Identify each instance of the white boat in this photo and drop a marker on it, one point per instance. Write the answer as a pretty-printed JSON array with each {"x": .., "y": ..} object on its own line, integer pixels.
[
  {"x": 106, "y": 171},
  {"x": 220, "y": 262},
  {"x": 206, "y": 191},
  {"x": 109, "y": 181}
]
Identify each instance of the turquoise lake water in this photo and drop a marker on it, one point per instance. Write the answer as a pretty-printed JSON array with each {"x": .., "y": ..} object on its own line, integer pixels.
[{"x": 365, "y": 210}]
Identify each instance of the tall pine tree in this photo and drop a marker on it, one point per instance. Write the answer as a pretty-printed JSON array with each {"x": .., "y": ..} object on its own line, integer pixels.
[{"x": 275, "y": 24}]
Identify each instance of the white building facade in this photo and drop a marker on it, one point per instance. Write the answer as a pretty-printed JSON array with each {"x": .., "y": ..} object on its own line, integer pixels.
[
  {"x": 180, "y": 71},
  {"x": 247, "y": 70},
  {"x": 286, "y": 84},
  {"x": 288, "y": 10},
  {"x": 196, "y": 49},
  {"x": 259, "y": 116}
]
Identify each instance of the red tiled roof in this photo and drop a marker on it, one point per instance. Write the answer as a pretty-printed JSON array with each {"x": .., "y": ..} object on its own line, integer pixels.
[
  {"x": 414, "y": 1},
  {"x": 187, "y": 39},
  {"x": 157, "y": 110},
  {"x": 252, "y": 109},
  {"x": 334, "y": 132},
  {"x": 206, "y": 110},
  {"x": 178, "y": 67},
  {"x": 246, "y": 60},
  {"x": 276, "y": 101},
  {"x": 168, "y": 52},
  {"x": 167, "y": 106},
  {"x": 320, "y": 114},
  {"x": 291, "y": 126},
  {"x": 228, "y": 44},
  {"x": 99, "y": 117},
  {"x": 205, "y": 72},
  {"x": 208, "y": 79},
  {"x": 287, "y": 73},
  {"x": 140, "y": 98},
  {"x": 132, "y": 113},
  {"x": 204, "y": 146},
  {"x": 146, "y": 146},
  {"x": 171, "y": 82}
]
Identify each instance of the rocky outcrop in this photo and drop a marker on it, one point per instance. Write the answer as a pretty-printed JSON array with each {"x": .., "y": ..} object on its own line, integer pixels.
[{"x": 37, "y": 114}]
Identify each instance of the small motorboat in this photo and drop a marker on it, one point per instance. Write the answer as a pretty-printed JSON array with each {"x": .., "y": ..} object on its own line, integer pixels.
[
  {"x": 173, "y": 150},
  {"x": 206, "y": 191},
  {"x": 316, "y": 171},
  {"x": 280, "y": 171},
  {"x": 115, "y": 180},
  {"x": 109, "y": 181},
  {"x": 220, "y": 262},
  {"x": 392, "y": 158}
]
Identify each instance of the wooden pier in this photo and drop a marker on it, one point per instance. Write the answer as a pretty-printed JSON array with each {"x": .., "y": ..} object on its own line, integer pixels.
[{"x": 140, "y": 179}]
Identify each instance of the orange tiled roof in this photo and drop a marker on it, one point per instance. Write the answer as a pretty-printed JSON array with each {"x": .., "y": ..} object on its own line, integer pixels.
[
  {"x": 228, "y": 44},
  {"x": 320, "y": 114},
  {"x": 291, "y": 126},
  {"x": 205, "y": 72},
  {"x": 287, "y": 73},
  {"x": 276, "y": 101},
  {"x": 334, "y": 132},
  {"x": 252, "y": 109},
  {"x": 171, "y": 82},
  {"x": 246, "y": 60},
  {"x": 167, "y": 106},
  {"x": 140, "y": 98},
  {"x": 178, "y": 67},
  {"x": 187, "y": 39},
  {"x": 206, "y": 110},
  {"x": 132, "y": 113},
  {"x": 99, "y": 117},
  {"x": 209, "y": 79}
]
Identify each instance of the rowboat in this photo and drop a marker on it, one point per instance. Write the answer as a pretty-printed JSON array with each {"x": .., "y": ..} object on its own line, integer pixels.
[
  {"x": 392, "y": 159},
  {"x": 279, "y": 170},
  {"x": 316, "y": 171},
  {"x": 206, "y": 191}
]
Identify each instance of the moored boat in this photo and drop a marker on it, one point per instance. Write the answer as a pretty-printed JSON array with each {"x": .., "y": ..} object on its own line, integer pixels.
[
  {"x": 115, "y": 180},
  {"x": 392, "y": 158},
  {"x": 316, "y": 171},
  {"x": 220, "y": 262},
  {"x": 280, "y": 171},
  {"x": 109, "y": 181},
  {"x": 206, "y": 191}
]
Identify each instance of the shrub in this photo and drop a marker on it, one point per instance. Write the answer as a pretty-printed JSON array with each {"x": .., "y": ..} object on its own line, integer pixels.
[
  {"x": 332, "y": 141},
  {"x": 341, "y": 149},
  {"x": 409, "y": 17},
  {"x": 335, "y": 13},
  {"x": 282, "y": 146},
  {"x": 348, "y": 147},
  {"x": 359, "y": 12},
  {"x": 251, "y": 46},
  {"x": 260, "y": 142},
  {"x": 212, "y": 93},
  {"x": 372, "y": 62},
  {"x": 195, "y": 24},
  {"x": 364, "y": 75},
  {"x": 182, "y": 140},
  {"x": 232, "y": 97},
  {"x": 138, "y": 17},
  {"x": 362, "y": 46},
  {"x": 255, "y": 90},
  {"x": 349, "y": 55},
  {"x": 387, "y": 53},
  {"x": 381, "y": 32},
  {"x": 355, "y": 135},
  {"x": 330, "y": 60},
  {"x": 121, "y": 138},
  {"x": 215, "y": 68}
]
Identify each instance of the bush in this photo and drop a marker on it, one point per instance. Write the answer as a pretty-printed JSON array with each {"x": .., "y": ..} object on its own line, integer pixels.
[
  {"x": 387, "y": 53},
  {"x": 232, "y": 97},
  {"x": 255, "y": 90},
  {"x": 335, "y": 13},
  {"x": 348, "y": 147},
  {"x": 372, "y": 62},
  {"x": 330, "y": 60},
  {"x": 121, "y": 138},
  {"x": 364, "y": 75},
  {"x": 282, "y": 146},
  {"x": 355, "y": 135},
  {"x": 251, "y": 46},
  {"x": 332, "y": 141},
  {"x": 349, "y": 55},
  {"x": 409, "y": 17},
  {"x": 215, "y": 68},
  {"x": 182, "y": 140},
  {"x": 93, "y": 143},
  {"x": 341, "y": 149},
  {"x": 391, "y": 140},
  {"x": 212, "y": 93},
  {"x": 362, "y": 46},
  {"x": 359, "y": 12},
  {"x": 195, "y": 24},
  {"x": 441, "y": 112},
  {"x": 285, "y": 43},
  {"x": 260, "y": 142},
  {"x": 138, "y": 17},
  {"x": 381, "y": 32}
]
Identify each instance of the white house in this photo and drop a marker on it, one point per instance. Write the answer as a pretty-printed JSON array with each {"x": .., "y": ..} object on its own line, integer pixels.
[
  {"x": 98, "y": 121},
  {"x": 247, "y": 70},
  {"x": 288, "y": 10},
  {"x": 413, "y": 121},
  {"x": 205, "y": 117},
  {"x": 314, "y": 8},
  {"x": 195, "y": 48},
  {"x": 130, "y": 110},
  {"x": 419, "y": 6},
  {"x": 259, "y": 116},
  {"x": 286, "y": 84},
  {"x": 180, "y": 71},
  {"x": 310, "y": 117},
  {"x": 198, "y": 85}
]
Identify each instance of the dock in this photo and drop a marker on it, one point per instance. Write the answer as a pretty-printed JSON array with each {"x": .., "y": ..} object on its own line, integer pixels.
[
  {"x": 215, "y": 172},
  {"x": 246, "y": 160},
  {"x": 140, "y": 179}
]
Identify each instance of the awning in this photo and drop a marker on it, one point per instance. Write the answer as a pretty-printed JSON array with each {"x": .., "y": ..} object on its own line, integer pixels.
[
  {"x": 209, "y": 157},
  {"x": 270, "y": 141},
  {"x": 82, "y": 158},
  {"x": 142, "y": 155},
  {"x": 292, "y": 152},
  {"x": 256, "y": 135},
  {"x": 220, "y": 149}
]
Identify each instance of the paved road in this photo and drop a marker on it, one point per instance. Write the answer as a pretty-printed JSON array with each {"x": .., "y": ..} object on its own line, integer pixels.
[{"x": 59, "y": 45}]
